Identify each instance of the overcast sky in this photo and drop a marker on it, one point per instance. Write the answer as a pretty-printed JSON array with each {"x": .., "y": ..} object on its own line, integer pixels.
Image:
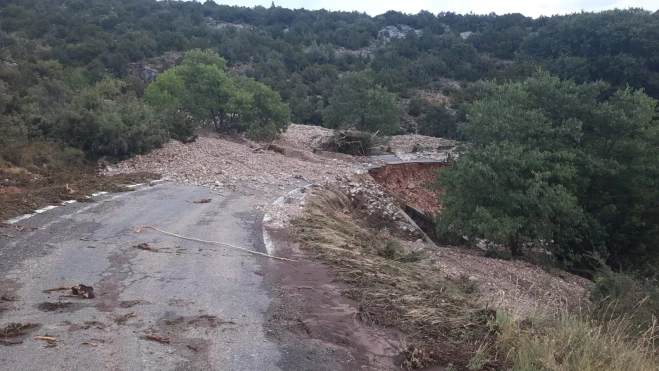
[{"x": 532, "y": 8}]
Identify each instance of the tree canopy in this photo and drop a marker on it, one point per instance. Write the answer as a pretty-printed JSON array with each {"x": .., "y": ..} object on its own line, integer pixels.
[
  {"x": 357, "y": 102},
  {"x": 554, "y": 163},
  {"x": 200, "y": 87}
]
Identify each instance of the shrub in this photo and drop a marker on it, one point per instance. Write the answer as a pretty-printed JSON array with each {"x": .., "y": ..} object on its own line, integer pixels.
[
  {"x": 618, "y": 295},
  {"x": 102, "y": 122}
]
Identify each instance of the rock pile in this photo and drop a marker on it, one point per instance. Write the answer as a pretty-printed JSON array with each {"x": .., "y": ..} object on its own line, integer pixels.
[
  {"x": 305, "y": 136},
  {"x": 219, "y": 163},
  {"x": 414, "y": 143}
]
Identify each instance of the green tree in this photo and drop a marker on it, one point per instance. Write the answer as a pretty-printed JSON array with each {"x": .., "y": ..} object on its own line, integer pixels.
[
  {"x": 438, "y": 121},
  {"x": 103, "y": 122},
  {"x": 507, "y": 194},
  {"x": 359, "y": 103},
  {"x": 555, "y": 163},
  {"x": 200, "y": 87},
  {"x": 257, "y": 109}
]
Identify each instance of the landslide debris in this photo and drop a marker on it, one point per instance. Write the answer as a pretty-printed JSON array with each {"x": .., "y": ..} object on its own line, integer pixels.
[
  {"x": 394, "y": 287},
  {"x": 220, "y": 163}
]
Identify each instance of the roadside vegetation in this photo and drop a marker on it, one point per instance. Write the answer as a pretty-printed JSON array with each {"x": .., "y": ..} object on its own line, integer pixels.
[
  {"x": 613, "y": 328},
  {"x": 394, "y": 287}
]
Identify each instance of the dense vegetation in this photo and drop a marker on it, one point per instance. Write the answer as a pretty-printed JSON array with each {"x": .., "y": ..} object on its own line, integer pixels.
[
  {"x": 572, "y": 151},
  {"x": 556, "y": 164}
]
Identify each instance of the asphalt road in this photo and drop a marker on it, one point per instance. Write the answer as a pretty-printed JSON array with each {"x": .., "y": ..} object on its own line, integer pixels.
[{"x": 209, "y": 301}]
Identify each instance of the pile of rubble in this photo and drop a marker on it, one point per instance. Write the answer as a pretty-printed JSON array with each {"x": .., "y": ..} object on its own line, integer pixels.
[
  {"x": 414, "y": 143},
  {"x": 379, "y": 204},
  {"x": 219, "y": 163},
  {"x": 305, "y": 136}
]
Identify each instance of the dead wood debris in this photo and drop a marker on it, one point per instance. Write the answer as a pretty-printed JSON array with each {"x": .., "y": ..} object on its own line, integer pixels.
[
  {"x": 158, "y": 338},
  {"x": 139, "y": 229},
  {"x": 49, "y": 339},
  {"x": 90, "y": 343},
  {"x": 202, "y": 201},
  {"x": 58, "y": 288},
  {"x": 6, "y": 297},
  {"x": 125, "y": 317},
  {"x": 16, "y": 329},
  {"x": 21, "y": 228},
  {"x": 146, "y": 246},
  {"x": 8, "y": 235},
  {"x": 81, "y": 290},
  {"x": 10, "y": 342}
]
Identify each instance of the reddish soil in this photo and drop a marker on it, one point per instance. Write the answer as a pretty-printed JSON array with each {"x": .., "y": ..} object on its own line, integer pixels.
[
  {"x": 22, "y": 192},
  {"x": 310, "y": 304},
  {"x": 411, "y": 182}
]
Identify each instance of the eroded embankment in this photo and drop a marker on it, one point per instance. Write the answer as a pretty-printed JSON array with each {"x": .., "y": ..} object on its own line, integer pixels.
[{"x": 412, "y": 182}]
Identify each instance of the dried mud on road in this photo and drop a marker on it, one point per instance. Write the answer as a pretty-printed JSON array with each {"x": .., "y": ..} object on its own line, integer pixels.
[{"x": 22, "y": 192}]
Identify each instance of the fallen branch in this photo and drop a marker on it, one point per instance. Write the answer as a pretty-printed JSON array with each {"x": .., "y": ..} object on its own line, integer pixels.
[
  {"x": 138, "y": 230},
  {"x": 58, "y": 288},
  {"x": 125, "y": 317},
  {"x": 9, "y": 342},
  {"x": 90, "y": 343},
  {"x": 21, "y": 228},
  {"x": 202, "y": 201},
  {"x": 8, "y": 235},
  {"x": 146, "y": 246},
  {"x": 158, "y": 339},
  {"x": 49, "y": 339}
]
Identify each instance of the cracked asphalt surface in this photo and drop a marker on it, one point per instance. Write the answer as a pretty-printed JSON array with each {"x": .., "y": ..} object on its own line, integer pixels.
[{"x": 210, "y": 301}]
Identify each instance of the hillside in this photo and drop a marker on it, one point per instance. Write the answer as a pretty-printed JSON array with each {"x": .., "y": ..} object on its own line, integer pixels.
[
  {"x": 302, "y": 54},
  {"x": 538, "y": 227}
]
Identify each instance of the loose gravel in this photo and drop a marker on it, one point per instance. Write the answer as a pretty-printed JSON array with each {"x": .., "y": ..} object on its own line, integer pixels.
[{"x": 220, "y": 164}]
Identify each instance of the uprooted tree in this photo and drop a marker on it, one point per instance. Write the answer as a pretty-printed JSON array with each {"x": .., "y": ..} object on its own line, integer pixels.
[
  {"x": 568, "y": 167},
  {"x": 200, "y": 87}
]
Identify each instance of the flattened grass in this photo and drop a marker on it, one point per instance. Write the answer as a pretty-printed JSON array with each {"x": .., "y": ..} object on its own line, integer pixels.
[{"x": 394, "y": 288}]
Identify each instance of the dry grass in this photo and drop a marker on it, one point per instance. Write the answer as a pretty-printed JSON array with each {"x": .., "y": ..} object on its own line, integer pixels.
[
  {"x": 565, "y": 341},
  {"x": 446, "y": 324},
  {"x": 394, "y": 288}
]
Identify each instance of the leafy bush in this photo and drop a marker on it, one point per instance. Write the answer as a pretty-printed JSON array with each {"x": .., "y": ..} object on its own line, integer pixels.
[
  {"x": 102, "y": 122},
  {"x": 439, "y": 122},
  {"x": 201, "y": 90},
  {"x": 416, "y": 107}
]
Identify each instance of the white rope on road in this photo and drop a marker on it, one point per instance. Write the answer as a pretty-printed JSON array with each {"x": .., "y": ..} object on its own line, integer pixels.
[{"x": 138, "y": 230}]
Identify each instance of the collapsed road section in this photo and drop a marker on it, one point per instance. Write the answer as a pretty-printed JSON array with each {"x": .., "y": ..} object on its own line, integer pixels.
[{"x": 412, "y": 183}]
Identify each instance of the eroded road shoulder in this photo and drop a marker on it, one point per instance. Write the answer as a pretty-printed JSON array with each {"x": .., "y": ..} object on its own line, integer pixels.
[{"x": 207, "y": 301}]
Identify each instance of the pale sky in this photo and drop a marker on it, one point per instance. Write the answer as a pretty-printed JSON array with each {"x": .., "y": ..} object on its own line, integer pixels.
[{"x": 532, "y": 8}]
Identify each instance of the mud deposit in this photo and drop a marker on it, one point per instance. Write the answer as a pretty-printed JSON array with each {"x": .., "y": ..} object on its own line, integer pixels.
[{"x": 310, "y": 306}]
